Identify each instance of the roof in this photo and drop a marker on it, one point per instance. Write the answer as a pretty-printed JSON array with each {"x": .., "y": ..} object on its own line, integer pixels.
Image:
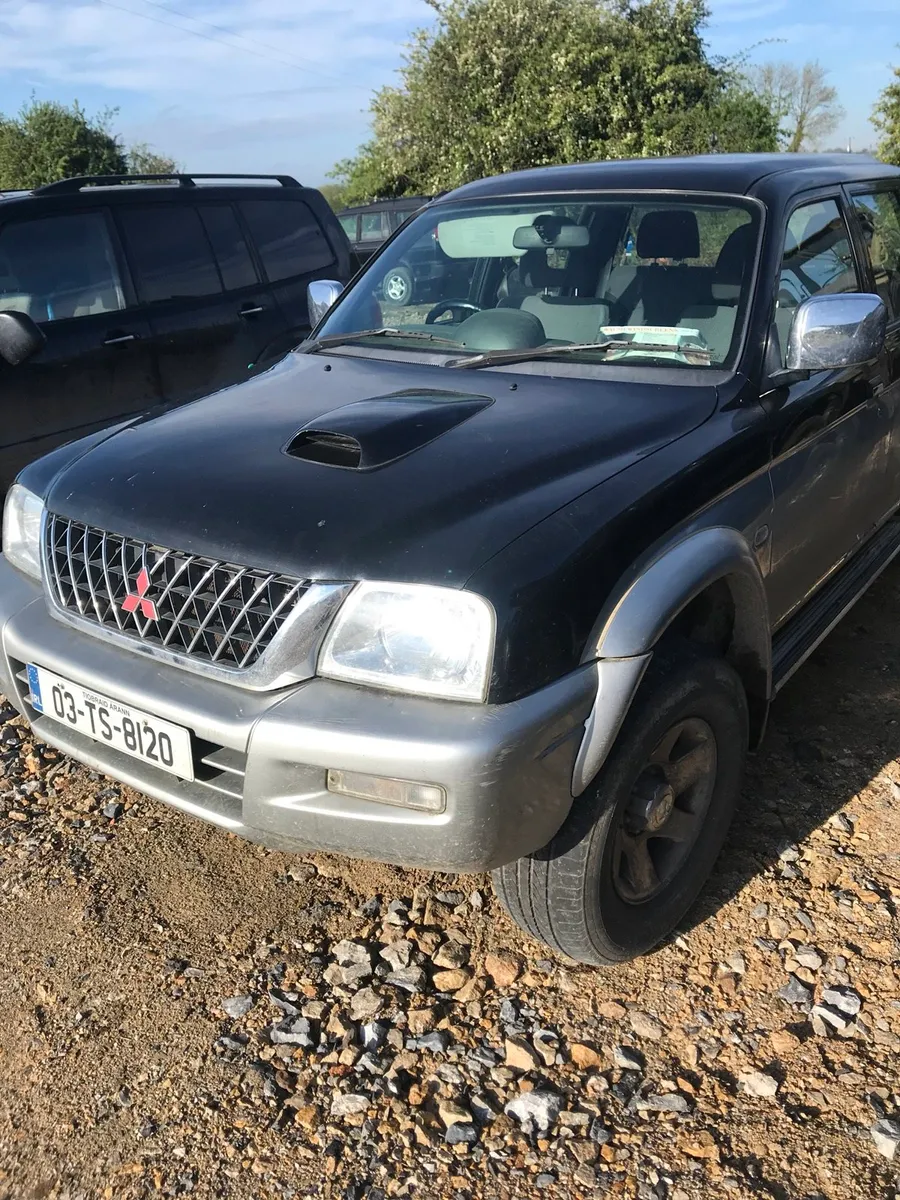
[{"x": 735, "y": 173}]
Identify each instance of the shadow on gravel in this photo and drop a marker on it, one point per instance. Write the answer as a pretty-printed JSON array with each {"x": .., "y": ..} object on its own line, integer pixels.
[{"x": 832, "y": 730}]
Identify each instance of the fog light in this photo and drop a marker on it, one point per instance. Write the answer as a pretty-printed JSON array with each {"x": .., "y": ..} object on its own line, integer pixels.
[{"x": 427, "y": 797}]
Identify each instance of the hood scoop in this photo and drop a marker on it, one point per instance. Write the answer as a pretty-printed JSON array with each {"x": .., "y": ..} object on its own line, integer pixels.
[{"x": 372, "y": 433}]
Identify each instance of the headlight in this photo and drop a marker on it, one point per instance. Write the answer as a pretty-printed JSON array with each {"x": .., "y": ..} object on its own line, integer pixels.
[
  {"x": 22, "y": 529},
  {"x": 432, "y": 641}
]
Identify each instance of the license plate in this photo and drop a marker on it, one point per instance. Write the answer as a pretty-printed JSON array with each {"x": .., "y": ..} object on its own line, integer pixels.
[{"x": 128, "y": 729}]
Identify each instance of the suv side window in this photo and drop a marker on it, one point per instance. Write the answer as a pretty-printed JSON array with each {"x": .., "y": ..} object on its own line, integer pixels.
[
  {"x": 350, "y": 226},
  {"x": 818, "y": 257},
  {"x": 374, "y": 227},
  {"x": 53, "y": 268},
  {"x": 289, "y": 238},
  {"x": 879, "y": 216},
  {"x": 169, "y": 253},
  {"x": 229, "y": 246}
]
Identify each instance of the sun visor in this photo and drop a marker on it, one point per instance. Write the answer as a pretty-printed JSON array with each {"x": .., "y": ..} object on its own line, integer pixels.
[{"x": 489, "y": 235}]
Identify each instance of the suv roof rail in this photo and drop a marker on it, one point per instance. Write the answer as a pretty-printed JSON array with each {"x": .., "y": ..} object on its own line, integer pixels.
[
  {"x": 80, "y": 182},
  {"x": 388, "y": 200}
]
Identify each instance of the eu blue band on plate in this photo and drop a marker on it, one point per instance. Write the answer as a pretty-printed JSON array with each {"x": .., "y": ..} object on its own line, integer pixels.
[{"x": 34, "y": 685}]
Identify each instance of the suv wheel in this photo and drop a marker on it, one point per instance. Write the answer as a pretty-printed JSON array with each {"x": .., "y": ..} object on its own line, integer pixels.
[
  {"x": 640, "y": 843},
  {"x": 398, "y": 286}
]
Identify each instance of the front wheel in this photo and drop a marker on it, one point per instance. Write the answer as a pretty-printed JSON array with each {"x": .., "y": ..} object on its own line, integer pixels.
[
  {"x": 398, "y": 286},
  {"x": 639, "y": 844}
]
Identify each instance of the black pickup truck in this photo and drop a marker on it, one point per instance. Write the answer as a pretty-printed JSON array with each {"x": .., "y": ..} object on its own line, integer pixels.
[{"x": 511, "y": 583}]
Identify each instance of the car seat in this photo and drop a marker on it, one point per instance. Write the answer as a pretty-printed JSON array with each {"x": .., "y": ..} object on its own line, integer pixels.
[
  {"x": 564, "y": 305},
  {"x": 715, "y": 322}
]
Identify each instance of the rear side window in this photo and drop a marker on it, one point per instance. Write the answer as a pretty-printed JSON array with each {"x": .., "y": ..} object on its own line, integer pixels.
[
  {"x": 54, "y": 268},
  {"x": 374, "y": 227},
  {"x": 879, "y": 216},
  {"x": 230, "y": 246},
  {"x": 289, "y": 238},
  {"x": 349, "y": 226},
  {"x": 169, "y": 252}
]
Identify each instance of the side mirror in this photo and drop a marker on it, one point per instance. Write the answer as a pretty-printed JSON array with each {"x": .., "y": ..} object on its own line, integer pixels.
[
  {"x": 20, "y": 338},
  {"x": 320, "y": 295},
  {"x": 834, "y": 331}
]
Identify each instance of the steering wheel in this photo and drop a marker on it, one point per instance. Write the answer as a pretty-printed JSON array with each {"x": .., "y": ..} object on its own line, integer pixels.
[{"x": 459, "y": 308}]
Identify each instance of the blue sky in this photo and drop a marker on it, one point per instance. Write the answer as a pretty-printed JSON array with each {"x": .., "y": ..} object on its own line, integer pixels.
[{"x": 283, "y": 85}]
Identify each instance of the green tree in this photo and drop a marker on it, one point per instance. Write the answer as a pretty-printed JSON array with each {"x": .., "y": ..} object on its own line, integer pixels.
[
  {"x": 886, "y": 119},
  {"x": 144, "y": 160},
  {"x": 334, "y": 194},
  {"x": 49, "y": 141},
  {"x": 499, "y": 85}
]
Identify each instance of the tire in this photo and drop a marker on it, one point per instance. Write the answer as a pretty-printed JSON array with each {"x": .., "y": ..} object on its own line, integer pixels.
[
  {"x": 588, "y": 894},
  {"x": 398, "y": 286}
]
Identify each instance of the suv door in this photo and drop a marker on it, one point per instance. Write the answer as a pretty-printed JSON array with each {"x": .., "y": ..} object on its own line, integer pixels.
[
  {"x": 293, "y": 250},
  {"x": 349, "y": 222},
  {"x": 877, "y": 209},
  {"x": 97, "y": 365},
  {"x": 374, "y": 231},
  {"x": 831, "y": 431},
  {"x": 206, "y": 337}
]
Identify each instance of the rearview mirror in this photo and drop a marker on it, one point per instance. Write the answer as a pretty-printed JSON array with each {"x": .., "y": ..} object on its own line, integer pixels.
[
  {"x": 320, "y": 295},
  {"x": 834, "y": 331},
  {"x": 20, "y": 338},
  {"x": 547, "y": 232}
]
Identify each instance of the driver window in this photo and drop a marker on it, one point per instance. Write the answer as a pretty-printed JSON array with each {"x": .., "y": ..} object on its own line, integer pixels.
[
  {"x": 54, "y": 268},
  {"x": 818, "y": 257}
]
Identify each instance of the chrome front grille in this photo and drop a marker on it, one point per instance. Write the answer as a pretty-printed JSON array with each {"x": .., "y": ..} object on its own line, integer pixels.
[{"x": 211, "y": 611}]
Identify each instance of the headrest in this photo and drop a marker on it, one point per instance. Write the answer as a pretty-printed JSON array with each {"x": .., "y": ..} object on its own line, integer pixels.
[
  {"x": 817, "y": 228},
  {"x": 732, "y": 263},
  {"x": 669, "y": 233},
  {"x": 536, "y": 272}
]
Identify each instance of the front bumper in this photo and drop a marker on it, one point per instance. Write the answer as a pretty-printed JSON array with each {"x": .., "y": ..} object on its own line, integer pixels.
[{"x": 261, "y": 757}]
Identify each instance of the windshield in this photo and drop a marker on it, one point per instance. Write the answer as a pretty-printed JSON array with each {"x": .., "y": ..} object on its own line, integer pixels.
[{"x": 654, "y": 280}]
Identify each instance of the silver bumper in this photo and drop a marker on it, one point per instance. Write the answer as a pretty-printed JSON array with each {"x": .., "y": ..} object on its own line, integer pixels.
[{"x": 261, "y": 757}]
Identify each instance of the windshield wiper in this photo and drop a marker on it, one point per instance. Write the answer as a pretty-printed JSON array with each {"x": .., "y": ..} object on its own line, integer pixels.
[
  {"x": 495, "y": 357},
  {"x": 340, "y": 339}
]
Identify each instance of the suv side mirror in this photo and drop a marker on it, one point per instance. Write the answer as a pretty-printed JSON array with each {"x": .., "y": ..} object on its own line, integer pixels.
[
  {"x": 320, "y": 295},
  {"x": 834, "y": 331},
  {"x": 20, "y": 338}
]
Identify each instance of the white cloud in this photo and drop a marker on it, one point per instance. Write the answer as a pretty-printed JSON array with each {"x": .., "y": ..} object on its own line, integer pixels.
[
  {"x": 295, "y": 70},
  {"x": 135, "y": 44}
]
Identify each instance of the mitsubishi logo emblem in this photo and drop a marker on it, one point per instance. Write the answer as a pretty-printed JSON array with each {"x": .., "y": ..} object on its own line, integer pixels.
[{"x": 133, "y": 602}]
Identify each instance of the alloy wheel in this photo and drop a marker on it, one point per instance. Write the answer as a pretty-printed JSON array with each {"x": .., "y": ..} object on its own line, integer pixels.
[{"x": 668, "y": 803}]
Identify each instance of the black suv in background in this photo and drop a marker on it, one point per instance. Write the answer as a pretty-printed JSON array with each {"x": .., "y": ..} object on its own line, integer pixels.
[
  {"x": 151, "y": 289},
  {"x": 423, "y": 273},
  {"x": 368, "y": 226}
]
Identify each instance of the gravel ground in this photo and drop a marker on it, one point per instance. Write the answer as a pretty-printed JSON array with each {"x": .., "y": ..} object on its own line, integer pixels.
[{"x": 183, "y": 1013}]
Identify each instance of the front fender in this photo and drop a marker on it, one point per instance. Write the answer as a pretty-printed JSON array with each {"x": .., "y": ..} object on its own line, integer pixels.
[
  {"x": 649, "y": 598},
  {"x": 643, "y": 606}
]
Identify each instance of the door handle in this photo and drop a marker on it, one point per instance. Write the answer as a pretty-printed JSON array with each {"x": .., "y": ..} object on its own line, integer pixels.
[
  {"x": 119, "y": 339},
  {"x": 252, "y": 310}
]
